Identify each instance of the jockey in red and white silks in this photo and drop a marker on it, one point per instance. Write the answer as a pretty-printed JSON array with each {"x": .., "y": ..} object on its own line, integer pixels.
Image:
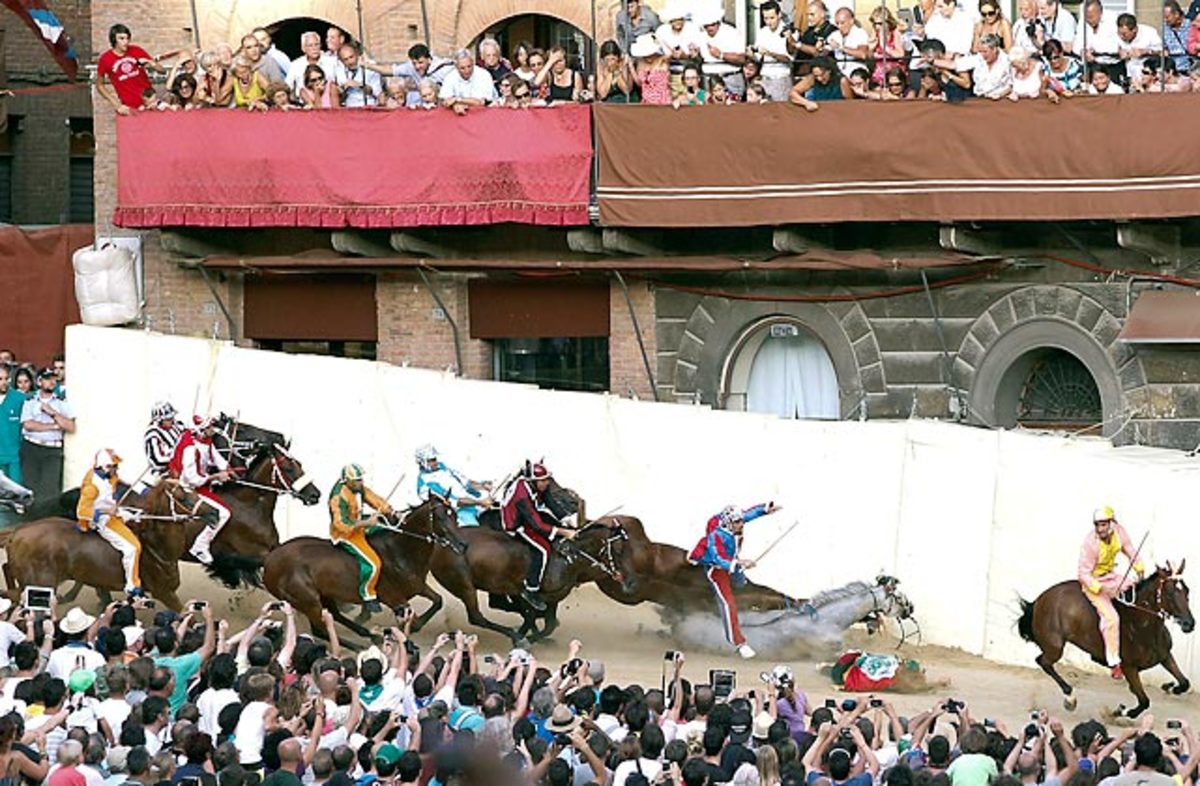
[
  {"x": 717, "y": 553},
  {"x": 1101, "y": 582},
  {"x": 195, "y": 458},
  {"x": 530, "y": 522}
]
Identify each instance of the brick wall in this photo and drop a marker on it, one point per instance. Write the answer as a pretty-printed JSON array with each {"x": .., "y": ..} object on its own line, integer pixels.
[
  {"x": 626, "y": 369},
  {"x": 41, "y": 140},
  {"x": 409, "y": 332}
]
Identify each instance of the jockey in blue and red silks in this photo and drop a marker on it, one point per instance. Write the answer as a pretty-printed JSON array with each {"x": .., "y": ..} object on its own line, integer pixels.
[{"x": 717, "y": 552}]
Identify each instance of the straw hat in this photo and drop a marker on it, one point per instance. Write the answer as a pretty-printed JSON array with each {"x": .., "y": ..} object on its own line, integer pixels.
[{"x": 76, "y": 621}]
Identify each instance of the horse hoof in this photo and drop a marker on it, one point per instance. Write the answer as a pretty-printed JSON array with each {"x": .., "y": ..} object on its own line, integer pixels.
[
  {"x": 1069, "y": 703},
  {"x": 1168, "y": 687}
]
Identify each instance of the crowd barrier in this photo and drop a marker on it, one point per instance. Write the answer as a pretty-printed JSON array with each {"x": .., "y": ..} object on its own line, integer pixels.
[{"x": 967, "y": 518}]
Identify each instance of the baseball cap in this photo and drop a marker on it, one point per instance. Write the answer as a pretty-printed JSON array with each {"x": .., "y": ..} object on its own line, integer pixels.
[
  {"x": 388, "y": 753},
  {"x": 595, "y": 670},
  {"x": 739, "y": 725}
]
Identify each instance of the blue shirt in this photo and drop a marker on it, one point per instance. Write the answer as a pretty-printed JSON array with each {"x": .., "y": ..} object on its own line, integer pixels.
[
  {"x": 10, "y": 425},
  {"x": 1175, "y": 44}
]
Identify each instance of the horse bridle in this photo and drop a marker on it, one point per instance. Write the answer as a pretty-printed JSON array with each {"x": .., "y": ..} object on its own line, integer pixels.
[
  {"x": 1160, "y": 586},
  {"x": 432, "y": 537},
  {"x": 174, "y": 505},
  {"x": 280, "y": 482},
  {"x": 608, "y": 564}
]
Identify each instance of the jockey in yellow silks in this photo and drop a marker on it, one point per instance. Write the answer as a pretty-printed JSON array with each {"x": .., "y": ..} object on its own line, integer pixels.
[{"x": 1101, "y": 582}]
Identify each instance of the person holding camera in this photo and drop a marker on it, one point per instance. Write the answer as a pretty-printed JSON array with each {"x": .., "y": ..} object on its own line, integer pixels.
[
  {"x": 717, "y": 552},
  {"x": 1032, "y": 759},
  {"x": 841, "y": 753},
  {"x": 790, "y": 704}
]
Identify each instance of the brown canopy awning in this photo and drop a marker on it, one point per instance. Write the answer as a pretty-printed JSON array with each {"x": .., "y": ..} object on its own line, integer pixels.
[{"x": 1164, "y": 318}]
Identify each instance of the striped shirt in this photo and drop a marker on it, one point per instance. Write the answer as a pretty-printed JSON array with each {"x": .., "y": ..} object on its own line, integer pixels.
[{"x": 160, "y": 445}]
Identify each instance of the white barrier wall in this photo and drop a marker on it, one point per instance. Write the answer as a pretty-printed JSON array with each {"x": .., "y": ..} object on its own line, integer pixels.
[{"x": 967, "y": 518}]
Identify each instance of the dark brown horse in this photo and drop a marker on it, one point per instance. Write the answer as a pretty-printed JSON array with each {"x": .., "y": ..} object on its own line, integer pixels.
[
  {"x": 46, "y": 552},
  {"x": 1062, "y": 614},
  {"x": 313, "y": 574},
  {"x": 664, "y": 576},
  {"x": 496, "y": 562}
]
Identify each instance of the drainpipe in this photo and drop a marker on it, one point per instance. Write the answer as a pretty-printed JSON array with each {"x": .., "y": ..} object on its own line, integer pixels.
[
  {"x": 449, "y": 318},
  {"x": 637, "y": 331}
]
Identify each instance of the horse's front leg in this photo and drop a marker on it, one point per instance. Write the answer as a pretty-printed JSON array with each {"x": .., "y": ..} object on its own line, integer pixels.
[
  {"x": 1181, "y": 683},
  {"x": 1134, "y": 678}
]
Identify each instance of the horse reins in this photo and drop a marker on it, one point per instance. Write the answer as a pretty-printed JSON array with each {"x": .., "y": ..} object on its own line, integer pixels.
[
  {"x": 278, "y": 476},
  {"x": 610, "y": 569}
]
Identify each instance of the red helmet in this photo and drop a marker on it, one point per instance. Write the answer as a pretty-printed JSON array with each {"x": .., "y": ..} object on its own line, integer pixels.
[{"x": 539, "y": 472}]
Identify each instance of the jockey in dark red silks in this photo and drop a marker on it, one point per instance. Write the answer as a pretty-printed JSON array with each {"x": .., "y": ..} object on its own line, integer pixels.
[
  {"x": 717, "y": 553},
  {"x": 527, "y": 519}
]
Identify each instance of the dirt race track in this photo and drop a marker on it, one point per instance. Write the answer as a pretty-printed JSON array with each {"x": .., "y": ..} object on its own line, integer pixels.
[{"x": 631, "y": 642}]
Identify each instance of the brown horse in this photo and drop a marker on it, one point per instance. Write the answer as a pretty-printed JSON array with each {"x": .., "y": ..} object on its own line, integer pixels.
[
  {"x": 1062, "y": 614},
  {"x": 496, "y": 563},
  {"x": 46, "y": 552},
  {"x": 664, "y": 576},
  {"x": 313, "y": 574}
]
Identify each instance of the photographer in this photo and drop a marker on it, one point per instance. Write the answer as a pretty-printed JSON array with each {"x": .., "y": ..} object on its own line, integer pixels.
[
  {"x": 1032, "y": 759},
  {"x": 790, "y": 704},
  {"x": 833, "y": 752}
]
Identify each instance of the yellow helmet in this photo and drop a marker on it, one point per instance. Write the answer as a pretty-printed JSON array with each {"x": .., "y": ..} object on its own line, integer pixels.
[{"x": 1103, "y": 514}]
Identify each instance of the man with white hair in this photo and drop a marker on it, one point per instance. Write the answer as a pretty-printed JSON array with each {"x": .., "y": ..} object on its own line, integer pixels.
[
  {"x": 467, "y": 86},
  {"x": 491, "y": 61},
  {"x": 310, "y": 42}
]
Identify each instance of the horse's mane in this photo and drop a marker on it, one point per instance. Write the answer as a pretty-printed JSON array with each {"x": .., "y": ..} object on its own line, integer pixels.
[{"x": 851, "y": 590}]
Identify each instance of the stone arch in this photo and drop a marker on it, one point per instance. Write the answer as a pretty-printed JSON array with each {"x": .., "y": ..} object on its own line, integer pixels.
[
  {"x": 476, "y": 16},
  {"x": 718, "y": 327},
  {"x": 229, "y": 22},
  {"x": 1039, "y": 318}
]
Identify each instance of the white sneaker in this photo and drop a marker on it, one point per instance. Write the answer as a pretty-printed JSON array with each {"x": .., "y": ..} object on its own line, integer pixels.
[
  {"x": 746, "y": 651},
  {"x": 203, "y": 556}
]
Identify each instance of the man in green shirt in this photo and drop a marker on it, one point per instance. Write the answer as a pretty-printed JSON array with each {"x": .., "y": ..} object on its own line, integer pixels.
[
  {"x": 184, "y": 666},
  {"x": 290, "y": 759},
  {"x": 11, "y": 402}
]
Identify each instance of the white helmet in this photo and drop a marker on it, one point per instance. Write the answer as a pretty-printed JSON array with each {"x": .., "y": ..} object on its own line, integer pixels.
[
  {"x": 161, "y": 411},
  {"x": 729, "y": 516},
  {"x": 425, "y": 454},
  {"x": 782, "y": 675},
  {"x": 106, "y": 457}
]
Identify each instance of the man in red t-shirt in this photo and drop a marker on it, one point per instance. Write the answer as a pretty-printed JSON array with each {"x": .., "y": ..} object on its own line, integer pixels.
[{"x": 121, "y": 71}]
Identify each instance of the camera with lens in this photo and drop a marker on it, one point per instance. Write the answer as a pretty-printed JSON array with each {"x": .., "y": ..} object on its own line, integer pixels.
[{"x": 953, "y": 705}]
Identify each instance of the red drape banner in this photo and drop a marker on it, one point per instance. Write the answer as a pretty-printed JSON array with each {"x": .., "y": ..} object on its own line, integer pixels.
[
  {"x": 37, "y": 288},
  {"x": 364, "y": 169}
]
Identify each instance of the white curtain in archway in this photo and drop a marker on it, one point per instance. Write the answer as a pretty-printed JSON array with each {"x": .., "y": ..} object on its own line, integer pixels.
[{"x": 793, "y": 377}]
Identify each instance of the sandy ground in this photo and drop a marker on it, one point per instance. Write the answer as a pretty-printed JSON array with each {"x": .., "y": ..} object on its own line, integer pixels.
[{"x": 632, "y": 641}]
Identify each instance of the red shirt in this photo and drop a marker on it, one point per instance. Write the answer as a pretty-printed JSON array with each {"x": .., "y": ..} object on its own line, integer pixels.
[{"x": 126, "y": 74}]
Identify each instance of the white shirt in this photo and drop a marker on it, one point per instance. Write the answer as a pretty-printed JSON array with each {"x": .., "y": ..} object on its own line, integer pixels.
[
  {"x": 1101, "y": 39},
  {"x": 197, "y": 458},
  {"x": 69, "y": 658},
  {"x": 727, "y": 39},
  {"x": 671, "y": 40},
  {"x": 32, "y": 411},
  {"x": 295, "y": 74},
  {"x": 90, "y": 774},
  {"x": 769, "y": 40},
  {"x": 1113, "y": 90},
  {"x": 479, "y": 85},
  {"x": 956, "y": 33},
  {"x": 210, "y": 703},
  {"x": 9, "y": 635},
  {"x": 251, "y": 728},
  {"x": 649, "y": 767},
  {"x": 1062, "y": 27},
  {"x": 991, "y": 80},
  {"x": 857, "y": 38},
  {"x": 390, "y": 698},
  {"x": 1146, "y": 38},
  {"x": 353, "y": 97},
  {"x": 115, "y": 712},
  {"x": 154, "y": 740}
]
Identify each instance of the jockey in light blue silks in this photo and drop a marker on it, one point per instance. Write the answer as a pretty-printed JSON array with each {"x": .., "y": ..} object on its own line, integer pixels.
[
  {"x": 718, "y": 553},
  {"x": 468, "y": 497}
]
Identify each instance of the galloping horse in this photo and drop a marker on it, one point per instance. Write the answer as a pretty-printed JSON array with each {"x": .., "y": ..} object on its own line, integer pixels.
[
  {"x": 46, "y": 552},
  {"x": 314, "y": 574},
  {"x": 496, "y": 563},
  {"x": 1062, "y": 614},
  {"x": 663, "y": 575}
]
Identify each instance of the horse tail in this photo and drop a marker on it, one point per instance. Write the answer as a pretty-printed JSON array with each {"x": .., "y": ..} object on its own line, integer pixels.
[
  {"x": 236, "y": 570},
  {"x": 1025, "y": 623}
]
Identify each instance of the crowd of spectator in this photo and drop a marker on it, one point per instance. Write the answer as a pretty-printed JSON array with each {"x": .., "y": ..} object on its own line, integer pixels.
[
  {"x": 34, "y": 417},
  {"x": 687, "y": 54},
  {"x": 135, "y": 697}
]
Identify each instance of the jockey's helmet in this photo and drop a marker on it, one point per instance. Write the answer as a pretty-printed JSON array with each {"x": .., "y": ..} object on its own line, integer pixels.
[
  {"x": 540, "y": 472},
  {"x": 105, "y": 457},
  {"x": 729, "y": 516},
  {"x": 162, "y": 410},
  {"x": 425, "y": 454},
  {"x": 1103, "y": 514},
  {"x": 352, "y": 472}
]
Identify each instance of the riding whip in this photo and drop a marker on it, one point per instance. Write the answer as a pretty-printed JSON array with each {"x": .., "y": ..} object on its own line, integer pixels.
[
  {"x": 396, "y": 487},
  {"x": 131, "y": 487},
  {"x": 1133, "y": 561},
  {"x": 608, "y": 513},
  {"x": 777, "y": 540}
]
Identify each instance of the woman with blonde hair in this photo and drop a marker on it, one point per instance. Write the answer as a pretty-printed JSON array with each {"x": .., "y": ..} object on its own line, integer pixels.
[
  {"x": 768, "y": 766},
  {"x": 885, "y": 44},
  {"x": 249, "y": 86},
  {"x": 992, "y": 22}
]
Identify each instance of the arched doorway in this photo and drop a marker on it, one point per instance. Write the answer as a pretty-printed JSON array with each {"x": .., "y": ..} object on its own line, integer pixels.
[
  {"x": 542, "y": 32},
  {"x": 778, "y": 366},
  {"x": 285, "y": 34},
  {"x": 1048, "y": 388}
]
